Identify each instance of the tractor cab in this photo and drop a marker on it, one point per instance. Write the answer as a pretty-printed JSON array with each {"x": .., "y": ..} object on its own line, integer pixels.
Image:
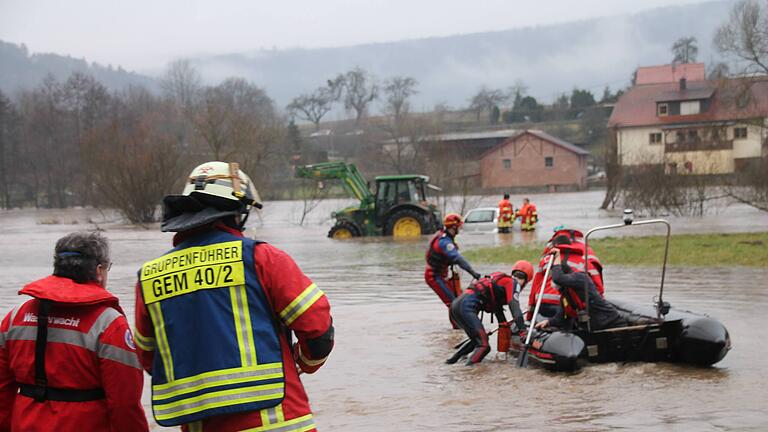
[{"x": 402, "y": 209}]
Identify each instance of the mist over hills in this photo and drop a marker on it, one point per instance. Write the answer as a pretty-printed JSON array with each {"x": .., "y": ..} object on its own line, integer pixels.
[{"x": 549, "y": 59}]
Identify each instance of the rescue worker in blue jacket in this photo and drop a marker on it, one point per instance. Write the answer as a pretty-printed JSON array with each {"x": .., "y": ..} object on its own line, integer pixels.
[
  {"x": 216, "y": 315},
  {"x": 489, "y": 294},
  {"x": 442, "y": 253}
]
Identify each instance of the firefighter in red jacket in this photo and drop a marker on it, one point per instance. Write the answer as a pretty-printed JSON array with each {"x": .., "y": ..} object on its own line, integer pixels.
[
  {"x": 528, "y": 216},
  {"x": 67, "y": 357},
  {"x": 506, "y": 215},
  {"x": 215, "y": 316},
  {"x": 571, "y": 244}
]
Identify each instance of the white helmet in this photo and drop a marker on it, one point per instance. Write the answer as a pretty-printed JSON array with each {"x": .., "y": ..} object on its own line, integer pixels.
[{"x": 212, "y": 190}]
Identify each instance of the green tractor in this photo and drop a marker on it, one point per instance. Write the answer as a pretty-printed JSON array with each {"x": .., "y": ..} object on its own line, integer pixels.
[{"x": 399, "y": 207}]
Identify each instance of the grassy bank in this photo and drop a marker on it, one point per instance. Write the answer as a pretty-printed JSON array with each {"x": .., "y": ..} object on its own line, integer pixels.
[{"x": 703, "y": 250}]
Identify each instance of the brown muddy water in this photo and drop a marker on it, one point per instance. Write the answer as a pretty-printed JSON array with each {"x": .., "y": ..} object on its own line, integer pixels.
[{"x": 387, "y": 372}]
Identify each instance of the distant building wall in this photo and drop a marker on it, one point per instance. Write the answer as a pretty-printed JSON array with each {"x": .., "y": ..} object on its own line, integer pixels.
[{"x": 521, "y": 162}]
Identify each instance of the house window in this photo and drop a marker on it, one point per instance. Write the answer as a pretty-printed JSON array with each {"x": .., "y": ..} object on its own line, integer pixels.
[
  {"x": 693, "y": 136},
  {"x": 507, "y": 163},
  {"x": 549, "y": 162},
  {"x": 662, "y": 109},
  {"x": 654, "y": 138},
  {"x": 690, "y": 108},
  {"x": 739, "y": 132},
  {"x": 680, "y": 136}
]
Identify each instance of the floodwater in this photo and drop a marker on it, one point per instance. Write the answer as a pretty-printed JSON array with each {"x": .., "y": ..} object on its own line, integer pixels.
[{"x": 392, "y": 335}]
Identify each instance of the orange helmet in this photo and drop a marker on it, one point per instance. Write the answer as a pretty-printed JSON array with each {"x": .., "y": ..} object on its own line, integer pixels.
[
  {"x": 453, "y": 220},
  {"x": 525, "y": 267}
]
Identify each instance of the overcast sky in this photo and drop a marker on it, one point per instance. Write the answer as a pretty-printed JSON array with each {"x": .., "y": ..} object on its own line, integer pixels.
[{"x": 144, "y": 35}]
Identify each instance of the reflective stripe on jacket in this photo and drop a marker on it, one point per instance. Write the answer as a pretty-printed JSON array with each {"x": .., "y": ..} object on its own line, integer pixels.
[{"x": 229, "y": 358}]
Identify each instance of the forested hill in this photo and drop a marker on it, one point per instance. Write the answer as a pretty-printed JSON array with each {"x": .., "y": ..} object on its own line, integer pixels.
[
  {"x": 549, "y": 59},
  {"x": 20, "y": 70}
]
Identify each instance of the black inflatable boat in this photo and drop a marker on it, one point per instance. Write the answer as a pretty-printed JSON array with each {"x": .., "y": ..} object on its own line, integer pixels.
[{"x": 657, "y": 333}]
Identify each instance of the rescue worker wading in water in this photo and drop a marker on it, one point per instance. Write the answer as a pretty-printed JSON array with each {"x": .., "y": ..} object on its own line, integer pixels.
[
  {"x": 489, "y": 294},
  {"x": 67, "y": 358},
  {"x": 444, "y": 252},
  {"x": 216, "y": 314},
  {"x": 506, "y": 215},
  {"x": 528, "y": 216}
]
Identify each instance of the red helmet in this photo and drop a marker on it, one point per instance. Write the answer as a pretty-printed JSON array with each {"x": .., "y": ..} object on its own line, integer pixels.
[
  {"x": 453, "y": 220},
  {"x": 525, "y": 267}
]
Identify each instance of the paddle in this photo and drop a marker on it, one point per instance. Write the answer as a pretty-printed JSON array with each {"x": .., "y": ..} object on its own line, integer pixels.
[{"x": 522, "y": 361}]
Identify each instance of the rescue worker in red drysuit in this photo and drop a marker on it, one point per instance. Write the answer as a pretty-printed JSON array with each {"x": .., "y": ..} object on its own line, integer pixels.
[
  {"x": 572, "y": 284},
  {"x": 489, "y": 294},
  {"x": 506, "y": 215},
  {"x": 443, "y": 252},
  {"x": 571, "y": 244},
  {"x": 528, "y": 216},
  {"x": 215, "y": 316},
  {"x": 67, "y": 357}
]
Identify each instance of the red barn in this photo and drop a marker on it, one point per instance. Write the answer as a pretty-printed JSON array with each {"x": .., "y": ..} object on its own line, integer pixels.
[{"x": 534, "y": 159}]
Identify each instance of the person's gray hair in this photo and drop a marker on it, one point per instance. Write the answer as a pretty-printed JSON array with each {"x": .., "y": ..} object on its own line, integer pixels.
[{"x": 77, "y": 255}]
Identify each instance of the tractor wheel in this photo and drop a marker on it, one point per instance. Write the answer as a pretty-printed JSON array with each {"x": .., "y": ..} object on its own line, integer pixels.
[
  {"x": 406, "y": 224},
  {"x": 344, "y": 230}
]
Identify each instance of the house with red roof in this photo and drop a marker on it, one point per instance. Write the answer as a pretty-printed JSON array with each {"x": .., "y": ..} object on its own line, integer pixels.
[{"x": 690, "y": 124}]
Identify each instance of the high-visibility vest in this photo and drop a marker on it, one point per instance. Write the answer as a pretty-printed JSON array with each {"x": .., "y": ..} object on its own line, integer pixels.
[{"x": 219, "y": 350}]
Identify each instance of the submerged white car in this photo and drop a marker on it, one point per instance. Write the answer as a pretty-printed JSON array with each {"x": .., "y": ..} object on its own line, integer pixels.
[{"x": 481, "y": 220}]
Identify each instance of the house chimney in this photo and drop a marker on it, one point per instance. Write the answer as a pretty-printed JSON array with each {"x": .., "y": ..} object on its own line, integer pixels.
[{"x": 682, "y": 84}]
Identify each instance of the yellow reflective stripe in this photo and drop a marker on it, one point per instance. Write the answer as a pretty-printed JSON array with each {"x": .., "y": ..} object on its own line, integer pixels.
[
  {"x": 248, "y": 328},
  {"x": 299, "y": 424},
  {"x": 223, "y": 374},
  {"x": 143, "y": 342},
  {"x": 301, "y": 303},
  {"x": 162, "y": 341},
  {"x": 223, "y": 398},
  {"x": 248, "y": 377},
  {"x": 265, "y": 416},
  {"x": 280, "y": 416},
  {"x": 238, "y": 325}
]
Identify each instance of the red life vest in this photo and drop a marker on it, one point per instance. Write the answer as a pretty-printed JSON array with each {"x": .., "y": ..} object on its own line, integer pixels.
[
  {"x": 573, "y": 255},
  {"x": 436, "y": 258},
  {"x": 505, "y": 211},
  {"x": 493, "y": 291}
]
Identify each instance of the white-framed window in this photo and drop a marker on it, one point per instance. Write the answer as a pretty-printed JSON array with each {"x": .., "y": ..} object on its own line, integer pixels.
[
  {"x": 507, "y": 163},
  {"x": 654, "y": 137},
  {"x": 662, "y": 109},
  {"x": 739, "y": 132},
  {"x": 690, "y": 108}
]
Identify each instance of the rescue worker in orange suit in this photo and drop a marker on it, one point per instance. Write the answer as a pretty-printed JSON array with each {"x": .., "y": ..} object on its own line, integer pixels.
[
  {"x": 489, "y": 294},
  {"x": 67, "y": 357},
  {"x": 528, "y": 216},
  {"x": 572, "y": 284},
  {"x": 443, "y": 252},
  {"x": 571, "y": 245},
  {"x": 216, "y": 314},
  {"x": 506, "y": 215}
]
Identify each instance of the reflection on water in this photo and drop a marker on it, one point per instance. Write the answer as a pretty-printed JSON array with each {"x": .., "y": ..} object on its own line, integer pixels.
[{"x": 387, "y": 371}]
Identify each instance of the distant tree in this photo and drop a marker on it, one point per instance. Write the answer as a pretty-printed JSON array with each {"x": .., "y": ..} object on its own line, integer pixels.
[
  {"x": 9, "y": 160},
  {"x": 581, "y": 99},
  {"x": 685, "y": 50},
  {"x": 358, "y": 89},
  {"x": 293, "y": 135},
  {"x": 718, "y": 71},
  {"x": 745, "y": 36},
  {"x": 486, "y": 99},
  {"x": 397, "y": 91},
  {"x": 313, "y": 106},
  {"x": 181, "y": 82}
]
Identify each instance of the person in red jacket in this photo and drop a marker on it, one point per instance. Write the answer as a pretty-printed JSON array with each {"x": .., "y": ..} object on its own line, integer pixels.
[
  {"x": 506, "y": 215},
  {"x": 67, "y": 356},
  {"x": 528, "y": 216},
  {"x": 215, "y": 316}
]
